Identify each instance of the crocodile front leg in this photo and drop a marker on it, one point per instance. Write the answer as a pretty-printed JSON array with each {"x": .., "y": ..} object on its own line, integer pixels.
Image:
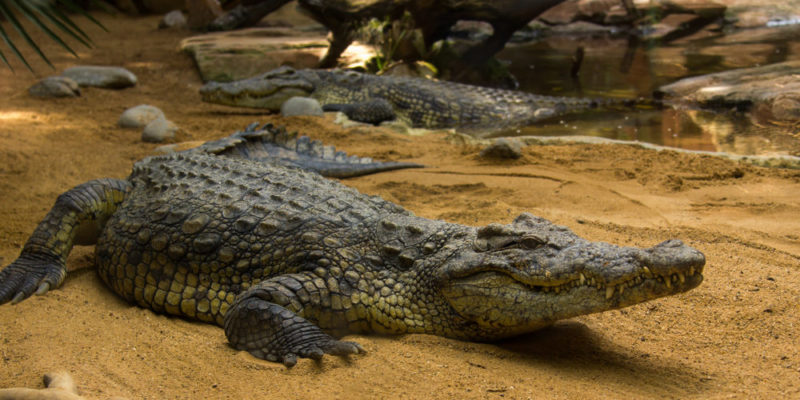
[
  {"x": 267, "y": 321},
  {"x": 77, "y": 217},
  {"x": 373, "y": 111}
]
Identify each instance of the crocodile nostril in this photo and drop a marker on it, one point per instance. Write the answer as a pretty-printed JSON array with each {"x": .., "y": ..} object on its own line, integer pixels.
[{"x": 671, "y": 243}]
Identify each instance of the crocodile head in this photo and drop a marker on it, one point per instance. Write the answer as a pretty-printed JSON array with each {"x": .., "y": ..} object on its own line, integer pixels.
[
  {"x": 268, "y": 90},
  {"x": 520, "y": 277}
]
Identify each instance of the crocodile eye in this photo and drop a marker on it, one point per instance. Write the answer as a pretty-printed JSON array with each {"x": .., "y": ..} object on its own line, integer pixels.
[
  {"x": 532, "y": 242},
  {"x": 480, "y": 245},
  {"x": 280, "y": 71}
]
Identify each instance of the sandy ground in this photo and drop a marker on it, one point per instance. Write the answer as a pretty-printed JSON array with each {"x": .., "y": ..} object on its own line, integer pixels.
[{"x": 736, "y": 336}]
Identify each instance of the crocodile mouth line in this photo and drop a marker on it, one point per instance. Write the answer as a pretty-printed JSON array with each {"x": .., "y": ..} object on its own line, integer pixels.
[{"x": 675, "y": 278}]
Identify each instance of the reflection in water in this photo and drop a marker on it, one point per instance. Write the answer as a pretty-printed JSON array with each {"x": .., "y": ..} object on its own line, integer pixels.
[{"x": 622, "y": 68}]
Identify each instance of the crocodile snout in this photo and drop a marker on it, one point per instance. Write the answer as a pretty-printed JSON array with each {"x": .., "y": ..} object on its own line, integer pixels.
[{"x": 673, "y": 256}]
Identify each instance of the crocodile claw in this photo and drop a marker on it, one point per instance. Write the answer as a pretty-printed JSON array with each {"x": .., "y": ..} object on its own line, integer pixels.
[
  {"x": 316, "y": 351},
  {"x": 27, "y": 276}
]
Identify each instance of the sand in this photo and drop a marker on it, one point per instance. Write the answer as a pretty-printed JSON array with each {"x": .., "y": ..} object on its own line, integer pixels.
[{"x": 735, "y": 336}]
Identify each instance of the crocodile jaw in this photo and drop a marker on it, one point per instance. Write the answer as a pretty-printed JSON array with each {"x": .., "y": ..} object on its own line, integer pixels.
[
  {"x": 510, "y": 301},
  {"x": 268, "y": 90}
]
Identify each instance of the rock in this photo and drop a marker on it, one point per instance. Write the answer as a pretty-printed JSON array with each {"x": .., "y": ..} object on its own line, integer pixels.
[
  {"x": 136, "y": 7},
  {"x": 104, "y": 77},
  {"x": 161, "y": 6},
  {"x": 772, "y": 89},
  {"x": 58, "y": 386},
  {"x": 126, "y": 6},
  {"x": 140, "y": 116},
  {"x": 503, "y": 148},
  {"x": 614, "y": 12},
  {"x": 173, "y": 20},
  {"x": 301, "y": 106},
  {"x": 240, "y": 54},
  {"x": 582, "y": 28},
  {"x": 55, "y": 86},
  {"x": 202, "y": 12},
  {"x": 159, "y": 130}
]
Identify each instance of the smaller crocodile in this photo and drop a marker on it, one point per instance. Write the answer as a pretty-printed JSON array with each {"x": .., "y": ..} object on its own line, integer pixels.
[
  {"x": 277, "y": 145},
  {"x": 420, "y": 103}
]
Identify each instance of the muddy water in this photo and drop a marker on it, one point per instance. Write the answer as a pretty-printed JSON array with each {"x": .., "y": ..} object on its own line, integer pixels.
[{"x": 627, "y": 68}]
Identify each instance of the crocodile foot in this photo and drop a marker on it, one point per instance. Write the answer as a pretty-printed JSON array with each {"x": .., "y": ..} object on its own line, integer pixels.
[
  {"x": 29, "y": 274},
  {"x": 273, "y": 333}
]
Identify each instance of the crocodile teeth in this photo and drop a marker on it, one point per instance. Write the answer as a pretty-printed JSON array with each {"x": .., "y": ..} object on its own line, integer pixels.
[
  {"x": 691, "y": 271},
  {"x": 668, "y": 283},
  {"x": 583, "y": 279},
  {"x": 621, "y": 289},
  {"x": 647, "y": 271},
  {"x": 609, "y": 292},
  {"x": 681, "y": 277}
]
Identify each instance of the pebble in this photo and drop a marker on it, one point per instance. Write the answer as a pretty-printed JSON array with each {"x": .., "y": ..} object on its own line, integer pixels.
[
  {"x": 301, "y": 106},
  {"x": 55, "y": 86},
  {"x": 159, "y": 130},
  {"x": 140, "y": 116},
  {"x": 503, "y": 148},
  {"x": 173, "y": 20},
  {"x": 103, "y": 77}
]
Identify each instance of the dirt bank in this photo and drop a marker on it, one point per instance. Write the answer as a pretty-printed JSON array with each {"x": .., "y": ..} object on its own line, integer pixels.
[{"x": 733, "y": 337}]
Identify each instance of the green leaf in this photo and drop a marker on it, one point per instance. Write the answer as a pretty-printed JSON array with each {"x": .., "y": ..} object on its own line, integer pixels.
[
  {"x": 48, "y": 13},
  {"x": 39, "y": 11},
  {"x": 15, "y": 23},
  {"x": 25, "y": 9},
  {"x": 74, "y": 8},
  {"x": 56, "y": 13}
]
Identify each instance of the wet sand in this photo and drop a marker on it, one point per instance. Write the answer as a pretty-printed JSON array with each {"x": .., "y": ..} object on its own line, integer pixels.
[{"x": 736, "y": 336}]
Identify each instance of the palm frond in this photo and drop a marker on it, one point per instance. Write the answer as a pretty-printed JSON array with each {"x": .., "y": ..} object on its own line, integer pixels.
[{"x": 39, "y": 12}]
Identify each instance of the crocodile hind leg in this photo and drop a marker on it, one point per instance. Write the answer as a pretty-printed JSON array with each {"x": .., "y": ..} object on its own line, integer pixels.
[
  {"x": 77, "y": 217},
  {"x": 266, "y": 321}
]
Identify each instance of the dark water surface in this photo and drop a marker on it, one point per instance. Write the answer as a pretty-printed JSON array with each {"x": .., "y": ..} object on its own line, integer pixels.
[{"x": 624, "y": 68}]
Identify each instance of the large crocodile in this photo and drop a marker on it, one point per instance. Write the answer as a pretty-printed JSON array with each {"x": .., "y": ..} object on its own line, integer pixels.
[
  {"x": 286, "y": 261},
  {"x": 421, "y": 103}
]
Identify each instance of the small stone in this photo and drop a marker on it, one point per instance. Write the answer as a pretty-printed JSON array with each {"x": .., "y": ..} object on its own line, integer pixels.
[
  {"x": 173, "y": 20},
  {"x": 104, "y": 77},
  {"x": 503, "y": 148},
  {"x": 301, "y": 106},
  {"x": 159, "y": 130},
  {"x": 140, "y": 116},
  {"x": 55, "y": 86}
]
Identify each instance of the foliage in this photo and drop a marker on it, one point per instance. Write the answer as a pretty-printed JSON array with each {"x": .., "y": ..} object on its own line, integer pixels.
[
  {"x": 39, "y": 12},
  {"x": 396, "y": 41}
]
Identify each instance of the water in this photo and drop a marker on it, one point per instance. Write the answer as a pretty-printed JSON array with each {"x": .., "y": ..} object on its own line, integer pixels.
[{"x": 621, "y": 68}]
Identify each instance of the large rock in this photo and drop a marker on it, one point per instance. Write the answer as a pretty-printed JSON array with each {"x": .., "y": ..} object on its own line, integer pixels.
[
  {"x": 772, "y": 91},
  {"x": 202, "y": 12},
  {"x": 104, "y": 77},
  {"x": 227, "y": 56},
  {"x": 147, "y": 6},
  {"x": 614, "y": 12}
]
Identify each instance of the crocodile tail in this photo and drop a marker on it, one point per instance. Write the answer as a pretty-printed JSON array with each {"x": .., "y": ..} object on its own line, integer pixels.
[
  {"x": 274, "y": 144},
  {"x": 625, "y": 104}
]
